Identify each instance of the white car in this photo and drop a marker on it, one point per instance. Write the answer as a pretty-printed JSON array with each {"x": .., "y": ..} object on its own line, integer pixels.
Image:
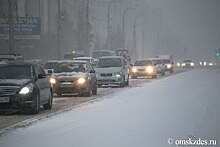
[
  {"x": 158, "y": 63},
  {"x": 50, "y": 65},
  {"x": 91, "y": 60},
  {"x": 188, "y": 63}
]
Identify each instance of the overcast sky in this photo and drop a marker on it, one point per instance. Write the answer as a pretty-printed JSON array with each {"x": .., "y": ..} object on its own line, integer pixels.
[{"x": 196, "y": 22}]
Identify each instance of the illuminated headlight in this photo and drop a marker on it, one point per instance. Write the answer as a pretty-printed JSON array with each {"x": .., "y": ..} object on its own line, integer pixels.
[
  {"x": 210, "y": 64},
  {"x": 169, "y": 66},
  {"x": 27, "y": 89},
  {"x": 149, "y": 69},
  {"x": 183, "y": 64},
  {"x": 192, "y": 64},
  {"x": 134, "y": 69},
  {"x": 118, "y": 74},
  {"x": 52, "y": 81},
  {"x": 205, "y": 63},
  {"x": 178, "y": 64},
  {"x": 81, "y": 80}
]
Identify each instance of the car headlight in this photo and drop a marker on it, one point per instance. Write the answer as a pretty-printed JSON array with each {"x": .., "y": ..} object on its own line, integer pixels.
[
  {"x": 183, "y": 64},
  {"x": 178, "y": 64},
  {"x": 81, "y": 80},
  {"x": 118, "y": 74},
  {"x": 134, "y": 69},
  {"x": 169, "y": 66},
  {"x": 192, "y": 64},
  {"x": 52, "y": 81},
  {"x": 27, "y": 89},
  {"x": 149, "y": 69}
]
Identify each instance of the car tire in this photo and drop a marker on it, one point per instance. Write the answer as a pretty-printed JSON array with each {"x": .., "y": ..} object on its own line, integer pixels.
[
  {"x": 36, "y": 107},
  {"x": 127, "y": 82},
  {"x": 123, "y": 82},
  {"x": 94, "y": 91},
  {"x": 154, "y": 76},
  {"x": 171, "y": 71},
  {"x": 88, "y": 93},
  {"x": 48, "y": 105},
  {"x": 59, "y": 94}
]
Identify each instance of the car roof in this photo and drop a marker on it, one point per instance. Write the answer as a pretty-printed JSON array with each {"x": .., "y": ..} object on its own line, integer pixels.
[
  {"x": 73, "y": 61},
  {"x": 155, "y": 59},
  {"x": 19, "y": 63},
  {"x": 107, "y": 57},
  {"x": 83, "y": 58}
]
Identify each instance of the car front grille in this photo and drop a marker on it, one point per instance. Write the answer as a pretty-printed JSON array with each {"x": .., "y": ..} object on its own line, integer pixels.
[
  {"x": 69, "y": 80},
  {"x": 106, "y": 74},
  {"x": 8, "y": 90}
]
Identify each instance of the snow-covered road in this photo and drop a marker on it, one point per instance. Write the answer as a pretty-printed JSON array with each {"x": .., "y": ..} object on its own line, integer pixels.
[{"x": 183, "y": 106}]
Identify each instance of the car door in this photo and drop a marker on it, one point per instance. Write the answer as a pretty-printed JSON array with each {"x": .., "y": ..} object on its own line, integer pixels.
[
  {"x": 40, "y": 83},
  {"x": 92, "y": 75},
  {"x": 125, "y": 69}
]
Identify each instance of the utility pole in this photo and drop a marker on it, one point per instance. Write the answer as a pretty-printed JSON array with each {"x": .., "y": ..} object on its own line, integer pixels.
[
  {"x": 143, "y": 50},
  {"x": 58, "y": 30},
  {"x": 87, "y": 26},
  {"x": 11, "y": 27}
]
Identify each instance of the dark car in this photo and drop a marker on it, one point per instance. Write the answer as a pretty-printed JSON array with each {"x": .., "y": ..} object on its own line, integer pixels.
[
  {"x": 24, "y": 86},
  {"x": 74, "y": 77}
]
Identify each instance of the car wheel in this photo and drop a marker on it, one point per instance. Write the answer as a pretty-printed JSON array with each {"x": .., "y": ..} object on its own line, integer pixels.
[
  {"x": 48, "y": 105},
  {"x": 88, "y": 93},
  {"x": 94, "y": 91},
  {"x": 163, "y": 73},
  {"x": 123, "y": 82},
  {"x": 171, "y": 71},
  {"x": 36, "y": 107},
  {"x": 127, "y": 82}
]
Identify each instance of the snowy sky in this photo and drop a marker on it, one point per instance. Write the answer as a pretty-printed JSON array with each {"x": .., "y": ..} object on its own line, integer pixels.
[{"x": 196, "y": 22}]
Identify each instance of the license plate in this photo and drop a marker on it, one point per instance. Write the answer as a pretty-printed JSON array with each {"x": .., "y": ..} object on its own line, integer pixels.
[
  {"x": 66, "y": 85},
  {"x": 4, "y": 99}
]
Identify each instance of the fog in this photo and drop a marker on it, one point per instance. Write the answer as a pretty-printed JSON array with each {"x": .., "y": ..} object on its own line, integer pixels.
[{"x": 184, "y": 28}]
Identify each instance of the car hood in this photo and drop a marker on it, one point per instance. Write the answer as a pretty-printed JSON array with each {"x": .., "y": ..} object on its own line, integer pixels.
[
  {"x": 109, "y": 70},
  {"x": 70, "y": 74},
  {"x": 14, "y": 82}
]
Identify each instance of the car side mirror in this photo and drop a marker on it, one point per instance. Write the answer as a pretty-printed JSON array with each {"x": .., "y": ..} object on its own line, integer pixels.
[
  {"x": 41, "y": 76},
  {"x": 92, "y": 71},
  {"x": 172, "y": 63},
  {"x": 155, "y": 64}
]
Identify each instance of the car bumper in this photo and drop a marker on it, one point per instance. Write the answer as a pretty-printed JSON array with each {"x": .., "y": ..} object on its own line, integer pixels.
[
  {"x": 17, "y": 101},
  {"x": 109, "y": 80},
  {"x": 70, "y": 88},
  {"x": 142, "y": 74}
]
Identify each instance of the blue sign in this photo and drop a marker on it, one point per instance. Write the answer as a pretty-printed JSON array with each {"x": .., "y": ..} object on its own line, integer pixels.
[{"x": 24, "y": 28}]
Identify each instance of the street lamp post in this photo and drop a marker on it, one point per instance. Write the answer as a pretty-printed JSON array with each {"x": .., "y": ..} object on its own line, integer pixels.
[
  {"x": 108, "y": 21},
  {"x": 123, "y": 23},
  {"x": 134, "y": 32},
  {"x": 58, "y": 30}
]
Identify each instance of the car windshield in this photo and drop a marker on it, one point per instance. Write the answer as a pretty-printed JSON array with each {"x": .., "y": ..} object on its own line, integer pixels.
[
  {"x": 142, "y": 63},
  {"x": 166, "y": 61},
  {"x": 187, "y": 61},
  {"x": 157, "y": 61},
  {"x": 88, "y": 60},
  {"x": 16, "y": 72},
  {"x": 98, "y": 55},
  {"x": 50, "y": 65},
  {"x": 109, "y": 62},
  {"x": 70, "y": 67}
]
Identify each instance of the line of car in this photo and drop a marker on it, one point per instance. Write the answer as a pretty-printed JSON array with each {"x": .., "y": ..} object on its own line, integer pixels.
[{"x": 27, "y": 85}]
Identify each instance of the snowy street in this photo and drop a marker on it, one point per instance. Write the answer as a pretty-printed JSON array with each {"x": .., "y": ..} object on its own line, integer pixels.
[{"x": 182, "y": 106}]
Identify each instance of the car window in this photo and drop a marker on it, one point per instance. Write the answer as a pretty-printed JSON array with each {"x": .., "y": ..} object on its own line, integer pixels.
[
  {"x": 50, "y": 65},
  {"x": 16, "y": 72},
  {"x": 109, "y": 62},
  {"x": 142, "y": 63},
  {"x": 70, "y": 67}
]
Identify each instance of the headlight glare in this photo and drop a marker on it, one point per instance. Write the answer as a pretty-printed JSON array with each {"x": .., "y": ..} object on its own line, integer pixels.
[
  {"x": 27, "y": 89},
  {"x": 169, "y": 66},
  {"x": 149, "y": 69},
  {"x": 192, "y": 64},
  {"x": 52, "y": 81},
  {"x": 134, "y": 69},
  {"x": 81, "y": 80}
]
